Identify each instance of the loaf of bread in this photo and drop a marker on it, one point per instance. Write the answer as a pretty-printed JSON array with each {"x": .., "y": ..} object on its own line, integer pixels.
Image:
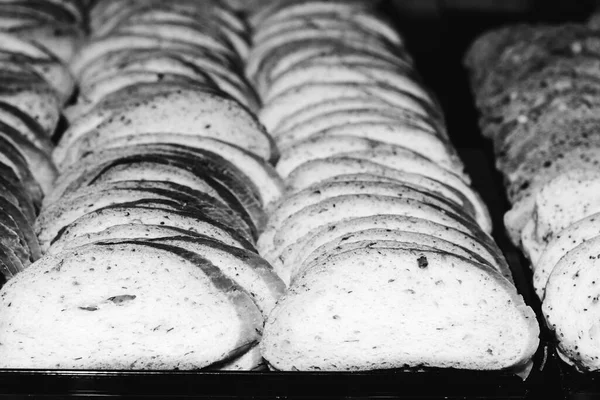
[
  {"x": 382, "y": 240},
  {"x": 537, "y": 90}
]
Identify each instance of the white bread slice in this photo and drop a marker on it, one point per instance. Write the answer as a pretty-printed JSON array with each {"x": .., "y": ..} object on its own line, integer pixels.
[
  {"x": 42, "y": 61},
  {"x": 563, "y": 242},
  {"x": 567, "y": 198},
  {"x": 284, "y": 10},
  {"x": 267, "y": 181},
  {"x": 324, "y": 49},
  {"x": 377, "y": 308},
  {"x": 386, "y": 238},
  {"x": 326, "y": 146},
  {"x": 319, "y": 170},
  {"x": 181, "y": 32},
  {"x": 247, "y": 269},
  {"x": 93, "y": 92},
  {"x": 344, "y": 207},
  {"x": 59, "y": 215},
  {"x": 352, "y": 116},
  {"x": 478, "y": 242},
  {"x": 181, "y": 111},
  {"x": 342, "y": 35},
  {"x": 306, "y": 73},
  {"x": 100, "y": 46},
  {"x": 299, "y": 97},
  {"x": 315, "y": 110},
  {"x": 122, "y": 231},
  {"x": 326, "y": 190},
  {"x": 139, "y": 213},
  {"x": 124, "y": 306},
  {"x": 570, "y": 305},
  {"x": 411, "y": 137}
]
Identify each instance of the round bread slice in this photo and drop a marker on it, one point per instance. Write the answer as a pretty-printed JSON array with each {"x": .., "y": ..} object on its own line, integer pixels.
[
  {"x": 344, "y": 117},
  {"x": 125, "y": 306},
  {"x": 563, "y": 242},
  {"x": 326, "y": 190},
  {"x": 319, "y": 170},
  {"x": 247, "y": 269},
  {"x": 345, "y": 207},
  {"x": 386, "y": 238},
  {"x": 181, "y": 111},
  {"x": 477, "y": 242},
  {"x": 378, "y": 308},
  {"x": 266, "y": 180},
  {"x": 570, "y": 305},
  {"x": 57, "y": 217},
  {"x": 140, "y": 212}
]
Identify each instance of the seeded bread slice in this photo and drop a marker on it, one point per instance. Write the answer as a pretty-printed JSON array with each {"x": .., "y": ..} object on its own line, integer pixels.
[
  {"x": 561, "y": 243},
  {"x": 382, "y": 308},
  {"x": 478, "y": 242},
  {"x": 142, "y": 213},
  {"x": 570, "y": 305},
  {"x": 344, "y": 207},
  {"x": 124, "y": 306}
]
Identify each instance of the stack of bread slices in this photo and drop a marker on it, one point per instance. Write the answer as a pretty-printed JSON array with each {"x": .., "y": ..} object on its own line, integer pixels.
[
  {"x": 384, "y": 243},
  {"x": 149, "y": 231},
  {"x": 537, "y": 89},
  {"x": 35, "y": 86}
]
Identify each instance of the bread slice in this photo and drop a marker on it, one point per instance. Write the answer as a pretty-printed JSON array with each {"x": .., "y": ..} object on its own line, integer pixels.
[
  {"x": 146, "y": 213},
  {"x": 378, "y": 308},
  {"x": 180, "y": 111},
  {"x": 565, "y": 199},
  {"x": 386, "y": 238},
  {"x": 319, "y": 170},
  {"x": 340, "y": 118},
  {"x": 560, "y": 244},
  {"x": 247, "y": 269},
  {"x": 325, "y": 190},
  {"x": 570, "y": 305},
  {"x": 125, "y": 306},
  {"x": 340, "y": 208},
  {"x": 307, "y": 73},
  {"x": 264, "y": 177},
  {"x": 320, "y": 108},
  {"x": 478, "y": 242},
  {"x": 297, "y": 98},
  {"x": 58, "y": 216},
  {"x": 196, "y": 168}
]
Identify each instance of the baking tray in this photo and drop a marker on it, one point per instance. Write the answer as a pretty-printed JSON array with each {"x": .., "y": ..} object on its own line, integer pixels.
[{"x": 437, "y": 41}]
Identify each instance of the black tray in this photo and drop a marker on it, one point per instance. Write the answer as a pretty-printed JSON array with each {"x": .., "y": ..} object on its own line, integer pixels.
[{"x": 437, "y": 41}]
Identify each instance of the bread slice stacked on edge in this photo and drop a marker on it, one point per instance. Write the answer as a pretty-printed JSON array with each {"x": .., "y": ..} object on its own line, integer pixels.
[
  {"x": 537, "y": 89},
  {"x": 36, "y": 85},
  {"x": 383, "y": 242},
  {"x": 149, "y": 232}
]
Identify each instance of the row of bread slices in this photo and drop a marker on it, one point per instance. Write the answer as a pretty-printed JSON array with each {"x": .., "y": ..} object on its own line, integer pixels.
[
  {"x": 385, "y": 245},
  {"x": 35, "y": 85},
  {"x": 537, "y": 89},
  {"x": 149, "y": 232},
  {"x": 184, "y": 42}
]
